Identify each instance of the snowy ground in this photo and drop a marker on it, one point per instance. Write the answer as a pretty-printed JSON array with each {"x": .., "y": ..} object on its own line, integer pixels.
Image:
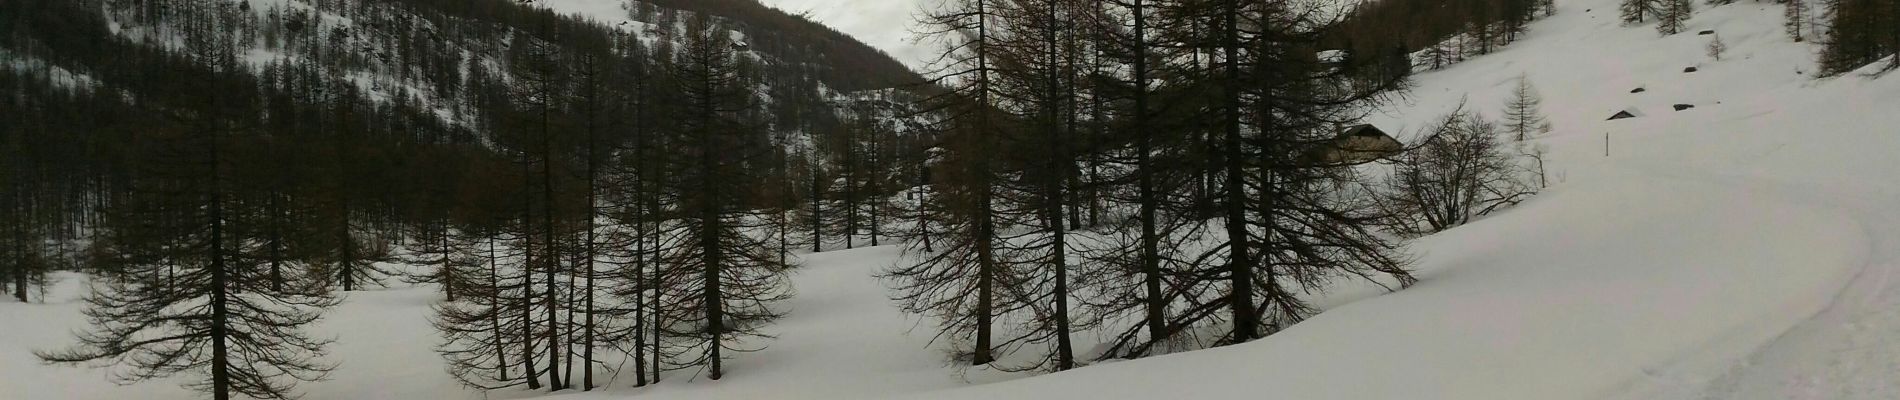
[{"x": 1746, "y": 248}]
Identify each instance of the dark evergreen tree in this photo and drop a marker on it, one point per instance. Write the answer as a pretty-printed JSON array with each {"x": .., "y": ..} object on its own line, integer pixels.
[
  {"x": 1796, "y": 19},
  {"x": 490, "y": 325},
  {"x": 1135, "y": 273},
  {"x": 1672, "y": 14},
  {"x": 179, "y": 300},
  {"x": 962, "y": 282},
  {"x": 1860, "y": 33},
  {"x": 1036, "y": 197},
  {"x": 722, "y": 280},
  {"x": 1284, "y": 225},
  {"x": 1640, "y": 11},
  {"x": 24, "y": 261}
]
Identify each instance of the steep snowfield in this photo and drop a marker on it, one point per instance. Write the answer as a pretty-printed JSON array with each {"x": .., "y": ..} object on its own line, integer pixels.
[{"x": 1746, "y": 248}]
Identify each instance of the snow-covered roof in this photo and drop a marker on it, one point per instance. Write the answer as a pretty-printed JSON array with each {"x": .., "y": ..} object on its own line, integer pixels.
[{"x": 1631, "y": 112}]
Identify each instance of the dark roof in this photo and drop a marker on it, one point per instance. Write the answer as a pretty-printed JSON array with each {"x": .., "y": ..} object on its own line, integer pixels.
[
  {"x": 1625, "y": 114},
  {"x": 1363, "y": 130}
]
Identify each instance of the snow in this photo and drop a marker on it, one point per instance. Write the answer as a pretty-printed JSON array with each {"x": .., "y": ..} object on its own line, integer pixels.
[
  {"x": 33, "y": 66},
  {"x": 615, "y": 13},
  {"x": 1509, "y": 308},
  {"x": 1747, "y": 248},
  {"x": 843, "y": 341},
  {"x": 384, "y": 350}
]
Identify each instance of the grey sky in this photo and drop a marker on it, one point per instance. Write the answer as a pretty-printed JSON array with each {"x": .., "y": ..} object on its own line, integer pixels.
[{"x": 884, "y": 24}]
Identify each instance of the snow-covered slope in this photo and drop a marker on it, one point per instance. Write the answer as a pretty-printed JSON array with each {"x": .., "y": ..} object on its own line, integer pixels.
[
  {"x": 1739, "y": 249},
  {"x": 1745, "y": 248}
]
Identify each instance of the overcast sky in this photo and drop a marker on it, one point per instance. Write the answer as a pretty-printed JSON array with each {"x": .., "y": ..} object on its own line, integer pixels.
[{"x": 884, "y": 24}]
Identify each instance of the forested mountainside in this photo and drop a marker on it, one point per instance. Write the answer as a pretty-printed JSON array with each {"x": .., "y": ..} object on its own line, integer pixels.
[
  {"x": 842, "y": 62},
  {"x": 285, "y": 149},
  {"x": 383, "y": 86}
]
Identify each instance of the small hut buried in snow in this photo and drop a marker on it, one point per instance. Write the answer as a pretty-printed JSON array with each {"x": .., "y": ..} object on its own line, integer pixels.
[
  {"x": 1356, "y": 144},
  {"x": 1631, "y": 112}
]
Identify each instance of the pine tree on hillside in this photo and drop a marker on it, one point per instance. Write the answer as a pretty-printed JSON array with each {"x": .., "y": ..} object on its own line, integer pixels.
[
  {"x": 1522, "y": 118},
  {"x": 179, "y": 300},
  {"x": 1143, "y": 261},
  {"x": 1893, "y": 34},
  {"x": 23, "y": 262},
  {"x": 911, "y": 211},
  {"x": 286, "y": 220},
  {"x": 512, "y": 319},
  {"x": 814, "y": 181},
  {"x": 1481, "y": 33},
  {"x": 1860, "y": 33},
  {"x": 723, "y": 279},
  {"x": 856, "y": 202},
  {"x": 1514, "y": 18},
  {"x": 1286, "y": 225},
  {"x": 877, "y": 173},
  {"x": 1441, "y": 54},
  {"x": 437, "y": 249},
  {"x": 541, "y": 85},
  {"x": 1672, "y": 14},
  {"x": 23, "y": 259},
  {"x": 596, "y": 79},
  {"x": 1716, "y": 48},
  {"x": 962, "y": 282},
  {"x": 353, "y": 256},
  {"x": 486, "y": 333},
  {"x": 1639, "y": 11},
  {"x": 1036, "y": 197},
  {"x": 853, "y": 195},
  {"x": 1795, "y": 19},
  {"x": 634, "y": 198}
]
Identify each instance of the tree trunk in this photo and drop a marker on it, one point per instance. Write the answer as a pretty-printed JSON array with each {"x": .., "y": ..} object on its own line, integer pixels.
[
  {"x": 550, "y": 259},
  {"x": 276, "y": 243},
  {"x": 220, "y": 315},
  {"x": 347, "y": 263},
  {"x": 447, "y": 270},
  {"x": 1150, "y": 257},
  {"x": 850, "y": 197},
  {"x": 527, "y": 287},
  {"x": 817, "y": 211},
  {"x": 710, "y": 256},
  {"x": 494, "y": 285},
  {"x": 986, "y": 226},
  {"x": 1239, "y": 266}
]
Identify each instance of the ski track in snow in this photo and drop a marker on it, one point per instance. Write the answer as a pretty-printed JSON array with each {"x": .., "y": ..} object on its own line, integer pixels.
[{"x": 1848, "y": 350}]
